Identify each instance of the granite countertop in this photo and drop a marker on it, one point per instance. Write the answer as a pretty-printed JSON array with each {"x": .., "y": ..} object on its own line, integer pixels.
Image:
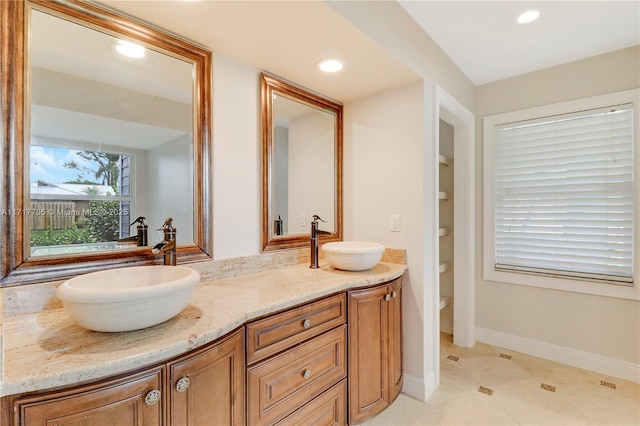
[{"x": 46, "y": 349}]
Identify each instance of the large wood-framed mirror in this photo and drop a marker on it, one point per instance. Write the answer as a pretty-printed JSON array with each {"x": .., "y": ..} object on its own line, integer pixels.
[
  {"x": 93, "y": 139},
  {"x": 301, "y": 164}
]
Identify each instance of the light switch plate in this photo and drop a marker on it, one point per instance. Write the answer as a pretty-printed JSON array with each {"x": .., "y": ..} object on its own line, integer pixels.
[{"x": 395, "y": 223}]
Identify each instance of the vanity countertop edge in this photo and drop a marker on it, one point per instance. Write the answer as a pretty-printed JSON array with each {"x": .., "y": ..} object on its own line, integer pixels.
[{"x": 47, "y": 350}]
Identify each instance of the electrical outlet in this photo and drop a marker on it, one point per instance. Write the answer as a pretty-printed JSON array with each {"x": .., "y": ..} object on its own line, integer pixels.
[{"x": 395, "y": 223}]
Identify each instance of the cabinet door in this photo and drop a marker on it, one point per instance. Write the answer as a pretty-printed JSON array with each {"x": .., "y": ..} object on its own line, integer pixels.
[
  {"x": 207, "y": 387},
  {"x": 396, "y": 376},
  {"x": 115, "y": 403},
  {"x": 368, "y": 322}
]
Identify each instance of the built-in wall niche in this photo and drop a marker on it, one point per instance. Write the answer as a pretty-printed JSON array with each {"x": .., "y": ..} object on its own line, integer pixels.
[{"x": 445, "y": 230}]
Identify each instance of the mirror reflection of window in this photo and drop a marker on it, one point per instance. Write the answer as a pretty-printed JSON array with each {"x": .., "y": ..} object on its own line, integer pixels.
[{"x": 80, "y": 200}]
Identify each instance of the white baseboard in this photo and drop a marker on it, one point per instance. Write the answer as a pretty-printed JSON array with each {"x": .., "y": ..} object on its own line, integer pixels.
[
  {"x": 417, "y": 388},
  {"x": 576, "y": 358}
]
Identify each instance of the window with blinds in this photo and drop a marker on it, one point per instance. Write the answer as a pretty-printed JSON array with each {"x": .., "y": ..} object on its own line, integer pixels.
[{"x": 564, "y": 195}]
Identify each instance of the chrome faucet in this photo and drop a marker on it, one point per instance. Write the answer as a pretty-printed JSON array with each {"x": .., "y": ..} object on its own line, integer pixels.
[
  {"x": 140, "y": 239},
  {"x": 168, "y": 245},
  {"x": 315, "y": 237}
]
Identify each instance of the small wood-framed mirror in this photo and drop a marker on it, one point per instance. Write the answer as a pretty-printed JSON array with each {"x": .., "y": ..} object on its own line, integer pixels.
[
  {"x": 133, "y": 132},
  {"x": 301, "y": 164}
]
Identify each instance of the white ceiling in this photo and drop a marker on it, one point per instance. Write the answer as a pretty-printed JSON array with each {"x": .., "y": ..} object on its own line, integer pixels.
[
  {"x": 485, "y": 41},
  {"x": 287, "y": 38}
]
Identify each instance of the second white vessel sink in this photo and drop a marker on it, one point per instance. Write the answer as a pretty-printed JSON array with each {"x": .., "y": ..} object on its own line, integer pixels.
[
  {"x": 127, "y": 299},
  {"x": 353, "y": 255}
]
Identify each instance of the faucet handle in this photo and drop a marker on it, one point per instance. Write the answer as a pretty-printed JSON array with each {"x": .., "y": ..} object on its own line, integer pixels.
[
  {"x": 167, "y": 224},
  {"x": 317, "y": 218},
  {"x": 139, "y": 220}
]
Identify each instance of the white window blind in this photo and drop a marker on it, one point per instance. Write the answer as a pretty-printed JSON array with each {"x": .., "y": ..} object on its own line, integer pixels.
[{"x": 564, "y": 195}]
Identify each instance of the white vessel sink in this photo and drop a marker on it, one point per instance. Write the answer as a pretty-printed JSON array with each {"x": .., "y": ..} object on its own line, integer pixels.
[
  {"x": 353, "y": 255},
  {"x": 127, "y": 299}
]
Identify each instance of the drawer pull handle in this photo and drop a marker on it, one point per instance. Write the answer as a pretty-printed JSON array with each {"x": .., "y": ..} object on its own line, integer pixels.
[
  {"x": 306, "y": 323},
  {"x": 183, "y": 384},
  {"x": 153, "y": 397},
  {"x": 394, "y": 294},
  {"x": 306, "y": 374},
  {"x": 387, "y": 297}
]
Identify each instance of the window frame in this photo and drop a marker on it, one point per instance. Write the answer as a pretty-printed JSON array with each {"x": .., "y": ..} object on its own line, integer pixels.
[{"x": 548, "y": 282}]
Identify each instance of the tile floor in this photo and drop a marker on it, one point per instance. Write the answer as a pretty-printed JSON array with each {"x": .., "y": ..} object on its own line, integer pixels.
[{"x": 486, "y": 385}]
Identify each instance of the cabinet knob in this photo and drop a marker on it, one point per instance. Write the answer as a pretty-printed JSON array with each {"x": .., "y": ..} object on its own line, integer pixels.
[
  {"x": 183, "y": 384},
  {"x": 394, "y": 294},
  {"x": 387, "y": 297},
  {"x": 153, "y": 397},
  {"x": 306, "y": 323},
  {"x": 306, "y": 374}
]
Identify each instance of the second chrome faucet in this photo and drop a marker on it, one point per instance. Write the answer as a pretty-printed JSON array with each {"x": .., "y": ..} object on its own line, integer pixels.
[{"x": 315, "y": 240}]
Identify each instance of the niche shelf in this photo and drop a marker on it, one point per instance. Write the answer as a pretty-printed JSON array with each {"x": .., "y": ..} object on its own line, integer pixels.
[
  {"x": 445, "y": 301},
  {"x": 443, "y": 232},
  {"x": 444, "y": 195},
  {"x": 444, "y": 160},
  {"x": 444, "y": 267}
]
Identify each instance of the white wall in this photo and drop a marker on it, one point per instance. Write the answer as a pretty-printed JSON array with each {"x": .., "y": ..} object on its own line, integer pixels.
[
  {"x": 236, "y": 159},
  {"x": 585, "y": 325}
]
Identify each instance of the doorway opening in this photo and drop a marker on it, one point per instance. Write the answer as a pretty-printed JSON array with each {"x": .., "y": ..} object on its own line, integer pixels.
[{"x": 456, "y": 211}]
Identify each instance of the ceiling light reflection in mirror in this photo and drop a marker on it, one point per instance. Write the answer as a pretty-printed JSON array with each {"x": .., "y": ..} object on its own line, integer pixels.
[{"x": 111, "y": 139}]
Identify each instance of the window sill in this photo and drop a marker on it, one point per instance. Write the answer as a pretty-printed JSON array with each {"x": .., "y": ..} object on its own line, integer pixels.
[{"x": 631, "y": 292}]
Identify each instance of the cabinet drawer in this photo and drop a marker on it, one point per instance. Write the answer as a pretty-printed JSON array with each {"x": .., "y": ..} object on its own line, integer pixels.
[
  {"x": 278, "y": 332},
  {"x": 282, "y": 384},
  {"x": 328, "y": 409}
]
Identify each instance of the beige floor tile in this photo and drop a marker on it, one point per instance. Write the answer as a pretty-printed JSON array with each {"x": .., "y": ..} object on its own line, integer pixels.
[
  {"x": 468, "y": 408},
  {"x": 573, "y": 396},
  {"x": 496, "y": 373},
  {"x": 602, "y": 406},
  {"x": 405, "y": 411},
  {"x": 454, "y": 378}
]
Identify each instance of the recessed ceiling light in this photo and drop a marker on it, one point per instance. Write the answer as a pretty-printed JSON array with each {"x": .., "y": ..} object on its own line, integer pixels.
[
  {"x": 329, "y": 65},
  {"x": 129, "y": 49},
  {"x": 528, "y": 16}
]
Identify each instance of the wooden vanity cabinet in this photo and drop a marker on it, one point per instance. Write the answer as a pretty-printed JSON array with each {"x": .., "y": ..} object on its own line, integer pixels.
[
  {"x": 134, "y": 400},
  {"x": 311, "y": 364},
  {"x": 375, "y": 349},
  {"x": 206, "y": 387}
]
